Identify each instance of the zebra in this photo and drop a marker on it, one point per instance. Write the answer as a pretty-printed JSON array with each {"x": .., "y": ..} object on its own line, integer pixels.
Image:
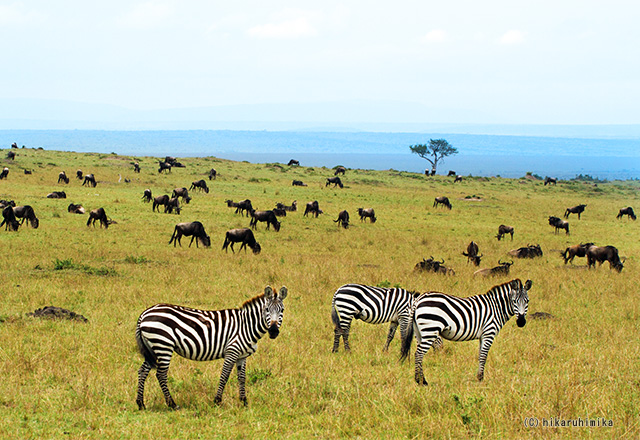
[
  {"x": 464, "y": 319},
  {"x": 204, "y": 335}
]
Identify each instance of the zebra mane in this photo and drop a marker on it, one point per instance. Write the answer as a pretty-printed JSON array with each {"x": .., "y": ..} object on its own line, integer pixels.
[
  {"x": 250, "y": 302},
  {"x": 513, "y": 284}
]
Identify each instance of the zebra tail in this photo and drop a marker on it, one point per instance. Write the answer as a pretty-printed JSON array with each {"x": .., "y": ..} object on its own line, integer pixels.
[
  {"x": 408, "y": 340},
  {"x": 334, "y": 315},
  {"x": 149, "y": 355}
]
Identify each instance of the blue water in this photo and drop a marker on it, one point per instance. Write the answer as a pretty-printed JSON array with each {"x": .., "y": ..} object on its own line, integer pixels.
[{"x": 508, "y": 156}]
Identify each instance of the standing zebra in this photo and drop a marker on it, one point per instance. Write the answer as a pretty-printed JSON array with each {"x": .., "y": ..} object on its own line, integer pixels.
[
  {"x": 204, "y": 335},
  {"x": 464, "y": 319}
]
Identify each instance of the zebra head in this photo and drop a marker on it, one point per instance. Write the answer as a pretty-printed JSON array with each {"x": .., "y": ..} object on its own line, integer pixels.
[
  {"x": 520, "y": 300},
  {"x": 273, "y": 309}
]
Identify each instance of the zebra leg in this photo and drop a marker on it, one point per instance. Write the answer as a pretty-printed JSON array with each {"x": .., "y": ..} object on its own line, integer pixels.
[
  {"x": 337, "y": 332},
  {"x": 424, "y": 343},
  {"x": 345, "y": 338},
  {"x": 229, "y": 361},
  {"x": 161, "y": 374},
  {"x": 392, "y": 332},
  {"x": 485, "y": 344},
  {"x": 143, "y": 372},
  {"x": 241, "y": 366}
]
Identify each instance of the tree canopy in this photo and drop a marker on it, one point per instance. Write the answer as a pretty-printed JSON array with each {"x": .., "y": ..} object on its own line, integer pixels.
[{"x": 435, "y": 151}]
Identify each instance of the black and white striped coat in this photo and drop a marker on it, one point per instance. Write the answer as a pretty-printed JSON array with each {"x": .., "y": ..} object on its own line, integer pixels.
[
  {"x": 204, "y": 335},
  {"x": 464, "y": 319}
]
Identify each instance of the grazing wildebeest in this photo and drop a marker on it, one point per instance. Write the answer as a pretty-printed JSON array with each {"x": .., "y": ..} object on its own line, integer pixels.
[
  {"x": 472, "y": 253},
  {"x": 298, "y": 183},
  {"x": 57, "y": 195},
  {"x": 5, "y": 203},
  {"x": 550, "y": 180},
  {"x": 502, "y": 269},
  {"x": 11, "y": 155},
  {"x": 279, "y": 212},
  {"x": 343, "y": 219},
  {"x": 26, "y": 171},
  {"x": 75, "y": 209},
  {"x": 9, "y": 219},
  {"x": 293, "y": 162},
  {"x": 529, "y": 251},
  {"x": 579, "y": 209},
  {"x": 558, "y": 223},
  {"x": 451, "y": 173},
  {"x": 628, "y": 211},
  {"x": 195, "y": 230},
  {"x": 172, "y": 204},
  {"x": 164, "y": 166},
  {"x": 335, "y": 181},
  {"x": 367, "y": 213},
  {"x": 244, "y": 236},
  {"x": 577, "y": 250},
  {"x": 201, "y": 185},
  {"x": 601, "y": 254},
  {"x": 264, "y": 216},
  {"x": 136, "y": 167},
  {"x": 243, "y": 206},
  {"x": 90, "y": 180},
  {"x": 181, "y": 192},
  {"x": 504, "y": 230},
  {"x": 340, "y": 170},
  {"x": 441, "y": 201},
  {"x": 146, "y": 196},
  {"x": 98, "y": 214},
  {"x": 79, "y": 175},
  {"x": 160, "y": 200},
  {"x": 431, "y": 265},
  {"x": 4, "y": 173},
  {"x": 292, "y": 208},
  {"x": 26, "y": 212},
  {"x": 313, "y": 208},
  {"x": 213, "y": 174},
  {"x": 457, "y": 179},
  {"x": 62, "y": 177}
]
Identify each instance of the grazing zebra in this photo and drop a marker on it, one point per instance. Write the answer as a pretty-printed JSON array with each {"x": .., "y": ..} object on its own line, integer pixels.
[
  {"x": 204, "y": 335},
  {"x": 464, "y": 319}
]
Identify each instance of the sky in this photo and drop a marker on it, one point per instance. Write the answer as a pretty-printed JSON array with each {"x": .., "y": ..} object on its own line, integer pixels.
[{"x": 527, "y": 62}]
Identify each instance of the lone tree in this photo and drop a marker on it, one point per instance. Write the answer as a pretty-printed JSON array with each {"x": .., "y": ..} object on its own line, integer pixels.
[{"x": 436, "y": 150}]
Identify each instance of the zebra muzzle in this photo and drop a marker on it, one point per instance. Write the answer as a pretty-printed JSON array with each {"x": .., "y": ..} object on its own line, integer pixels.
[
  {"x": 521, "y": 321},
  {"x": 274, "y": 331}
]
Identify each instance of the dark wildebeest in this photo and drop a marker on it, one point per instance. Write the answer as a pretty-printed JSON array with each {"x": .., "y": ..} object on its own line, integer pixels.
[
  {"x": 335, "y": 181},
  {"x": 26, "y": 212},
  {"x": 457, "y": 179},
  {"x": 279, "y": 212},
  {"x": 472, "y": 253},
  {"x": 244, "y": 236},
  {"x": 451, "y": 173},
  {"x": 550, "y": 180},
  {"x": 146, "y": 196},
  {"x": 601, "y": 254},
  {"x": 90, "y": 180},
  {"x": 340, "y": 170},
  {"x": 574, "y": 210},
  {"x": 367, "y": 213},
  {"x": 136, "y": 167},
  {"x": 298, "y": 183},
  {"x": 79, "y": 175},
  {"x": 5, "y": 203},
  {"x": 293, "y": 162},
  {"x": 241, "y": 206},
  {"x": 313, "y": 208},
  {"x": 57, "y": 195},
  {"x": 200, "y": 184},
  {"x": 529, "y": 251},
  {"x": 26, "y": 171},
  {"x": 292, "y": 208},
  {"x": 4, "y": 173},
  {"x": 98, "y": 214},
  {"x": 181, "y": 192},
  {"x": 164, "y": 166},
  {"x": 9, "y": 219},
  {"x": 343, "y": 219},
  {"x": 195, "y": 230},
  {"x": 504, "y": 230},
  {"x": 264, "y": 216},
  {"x": 75, "y": 209},
  {"x": 160, "y": 200},
  {"x": 11, "y": 155},
  {"x": 502, "y": 269},
  {"x": 62, "y": 177},
  {"x": 577, "y": 250},
  {"x": 441, "y": 201},
  {"x": 431, "y": 265},
  {"x": 213, "y": 174},
  {"x": 172, "y": 204},
  {"x": 558, "y": 223},
  {"x": 627, "y": 211}
]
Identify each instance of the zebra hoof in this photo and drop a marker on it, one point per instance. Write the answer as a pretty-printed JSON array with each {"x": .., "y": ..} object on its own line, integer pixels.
[
  {"x": 217, "y": 401},
  {"x": 141, "y": 405},
  {"x": 480, "y": 377}
]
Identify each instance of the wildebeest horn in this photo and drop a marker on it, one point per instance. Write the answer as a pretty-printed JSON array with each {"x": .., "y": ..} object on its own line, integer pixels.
[{"x": 442, "y": 262}]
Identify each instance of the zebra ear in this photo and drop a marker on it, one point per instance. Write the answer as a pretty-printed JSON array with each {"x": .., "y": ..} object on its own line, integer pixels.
[
  {"x": 527, "y": 284},
  {"x": 268, "y": 292},
  {"x": 283, "y": 293}
]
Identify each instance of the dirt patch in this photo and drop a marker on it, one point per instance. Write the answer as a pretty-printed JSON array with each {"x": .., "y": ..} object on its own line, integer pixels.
[
  {"x": 53, "y": 312},
  {"x": 542, "y": 315}
]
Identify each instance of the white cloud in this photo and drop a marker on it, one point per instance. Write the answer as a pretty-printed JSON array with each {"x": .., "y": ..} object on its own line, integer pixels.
[
  {"x": 512, "y": 37},
  {"x": 147, "y": 15},
  {"x": 435, "y": 36}
]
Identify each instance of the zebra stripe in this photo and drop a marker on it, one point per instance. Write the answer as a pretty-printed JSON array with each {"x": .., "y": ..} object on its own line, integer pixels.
[
  {"x": 204, "y": 335},
  {"x": 464, "y": 319}
]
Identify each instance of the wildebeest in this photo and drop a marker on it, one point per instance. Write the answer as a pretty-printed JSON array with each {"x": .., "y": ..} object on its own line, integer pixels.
[
  {"x": 98, "y": 215},
  {"x": 9, "y": 219},
  {"x": 26, "y": 212},
  {"x": 457, "y": 179},
  {"x": 164, "y": 166},
  {"x": 57, "y": 195},
  {"x": 367, "y": 213},
  {"x": 431, "y": 265},
  {"x": 195, "y": 230},
  {"x": 628, "y": 211},
  {"x": 181, "y": 192},
  {"x": 451, "y": 173},
  {"x": 558, "y": 223},
  {"x": 75, "y": 209},
  {"x": 11, "y": 155},
  {"x": 4, "y": 173},
  {"x": 90, "y": 180},
  {"x": 579, "y": 209},
  {"x": 577, "y": 250},
  {"x": 472, "y": 253},
  {"x": 200, "y": 185},
  {"x": 550, "y": 180},
  {"x": 136, "y": 167},
  {"x": 160, "y": 200},
  {"x": 298, "y": 183},
  {"x": 340, "y": 170},
  {"x": 343, "y": 219},
  {"x": 293, "y": 162},
  {"x": 601, "y": 254},
  {"x": 313, "y": 208},
  {"x": 79, "y": 175},
  {"x": 241, "y": 206},
  {"x": 529, "y": 251},
  {"x": 26, "y": 171},
  {"x": 62, "y": 177},
  {"x": 292, "y": 208},
  {"x": 146, "y": 195},
  {"x": 172, "y": 204},
  {"x": 213, "y": 174},
  {"x": 5, "y": 203},
  {"x": 244, "y": 236},
  {"x": 502, "y": 269},
  {"x": 335, "y": 181},
  {"x": 279, "y": 212},
  {"x": 14, "y": 145},
  {"x": 504, "y": 230},
  {"x": 264, "y": 216},
  {"x": 441, "y": 201}
]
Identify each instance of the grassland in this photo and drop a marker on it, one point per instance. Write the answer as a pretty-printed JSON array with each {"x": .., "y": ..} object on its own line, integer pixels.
[{"x": 63, "y": 379}]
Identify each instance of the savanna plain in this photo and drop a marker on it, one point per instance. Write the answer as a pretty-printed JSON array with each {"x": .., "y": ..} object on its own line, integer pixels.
[{"x": 70, "y": 379}]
